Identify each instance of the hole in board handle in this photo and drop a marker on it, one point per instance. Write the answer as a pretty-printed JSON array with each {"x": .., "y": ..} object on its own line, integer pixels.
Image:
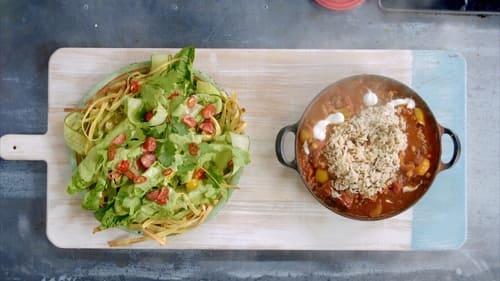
[{"x": 14, "y": 147}]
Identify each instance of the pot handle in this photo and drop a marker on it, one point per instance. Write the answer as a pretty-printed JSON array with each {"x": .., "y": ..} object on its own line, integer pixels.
[
  {"x": 456, "y": 149},
  {"x": 280, "y": 143}
]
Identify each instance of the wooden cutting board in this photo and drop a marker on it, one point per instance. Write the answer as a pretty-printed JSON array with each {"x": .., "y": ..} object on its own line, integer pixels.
[{"x": 272, "y": 209}]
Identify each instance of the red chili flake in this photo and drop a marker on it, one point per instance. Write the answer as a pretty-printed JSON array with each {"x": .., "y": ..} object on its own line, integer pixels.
[
  {"x": 140, "y": 179},
  {"x": 173, "y": 95},
  {"x": 123, "y": 166},
  {"x": 193, "y": 149},
  {"x": 152, "y": 195},
  {"x": 134, "y": 86},
  {"x": 148, "y": 116},
  {"x": 168, "y": 172},
  {"x": 111, "y": 152},
  {"x": 114, "y": 175},
  {"x": 199, "y": 174},
  {"x": 129, "y": 174}
]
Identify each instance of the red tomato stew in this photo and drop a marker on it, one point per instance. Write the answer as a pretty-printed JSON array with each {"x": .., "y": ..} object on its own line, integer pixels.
[{"x": 369, "y": 148}]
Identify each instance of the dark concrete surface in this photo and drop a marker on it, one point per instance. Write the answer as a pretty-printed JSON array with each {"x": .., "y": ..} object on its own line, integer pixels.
[{"x": 31, "y": 30}]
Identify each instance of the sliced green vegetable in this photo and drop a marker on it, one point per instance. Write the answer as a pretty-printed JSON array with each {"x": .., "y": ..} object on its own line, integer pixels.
[
  {"x": 159, "y": 117},
  {"x": 72, "y": 133},
  {"x": 158, "y": 59},
  {"x": 135, "y": 110}
]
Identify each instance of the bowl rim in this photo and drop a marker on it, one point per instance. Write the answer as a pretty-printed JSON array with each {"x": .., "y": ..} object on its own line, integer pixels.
[{"x": 142, "y": 66}]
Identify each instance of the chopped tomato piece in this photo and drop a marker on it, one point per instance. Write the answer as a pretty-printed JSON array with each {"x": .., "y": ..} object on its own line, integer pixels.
[
  {"x": 168, "y": 172},
  {"x": 191, "y": 101},
  {"x": 162, "y": 196},
  {"x": 207, "y": 127},
  {"x": 173, "y": 95},
  {"x": 149, "y": 144},
  {"x": 318, "y": 159},
  {"x": 120, "y": 139},
  {"x": 193, "y": 149},
  {"x": 111, "y": 152},
  {"x": 134, "y": 86},
  {"x": 346, "y": 199},
  {"x": 140, "y": 179},
  {"x": 397, "y": 187},
  {"x": 148, "y": 116},
  {"x": 189, "y": 121},
  {"x": 123, "y": 166},
  {"x": 147, "y": 159},
  {"x": 308, "y": 171},
  {"x": 199, "y": 174},
  {"x": 324, "y": 190},
  {"x": 152, "y": 195},
  {"x": 208, "y": 111}
]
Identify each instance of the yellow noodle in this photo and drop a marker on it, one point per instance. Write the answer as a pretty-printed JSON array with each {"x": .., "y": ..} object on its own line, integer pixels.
[
  {"x": 93, "y": 125},
  {"x": 154, "y": 236},
  {"x": 125, "y": 242},
  {"x": 159, "y": 229}
]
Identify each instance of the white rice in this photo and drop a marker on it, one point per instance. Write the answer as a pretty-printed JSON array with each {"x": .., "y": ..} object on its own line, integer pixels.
[{"x": 363, "y": 152}]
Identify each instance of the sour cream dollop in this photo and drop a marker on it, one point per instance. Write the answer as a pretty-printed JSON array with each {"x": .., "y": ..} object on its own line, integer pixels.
[
  {"x": 319, "y": 130},
  {"x": 305, "y": 146},
  {"x": 370, "y": 98},
  {"x": 410, "y": 103}
]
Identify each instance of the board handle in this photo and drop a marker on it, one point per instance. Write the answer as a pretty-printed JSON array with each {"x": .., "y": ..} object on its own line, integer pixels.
[{"x": 24, "y": 147}]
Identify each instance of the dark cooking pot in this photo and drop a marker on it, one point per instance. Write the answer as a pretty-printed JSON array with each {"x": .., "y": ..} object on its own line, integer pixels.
[{"x": 346, "y": 94}]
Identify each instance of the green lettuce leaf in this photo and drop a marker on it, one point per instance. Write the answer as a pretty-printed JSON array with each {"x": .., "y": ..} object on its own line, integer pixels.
[
  {"x": 109, "y": 218},
  {"x": 159, "y": 117},
  {"x": 179, "y": 76},
  {"x": 135, "y": 110},
  {"x": 91, "y": 199},
  {"x": 77, "y": 184},
  {"x": 73, "y": 135},
  {"x": 177, "y": 127},
  {"x": 241, "y": 158},
  {"x": 207, "y": 88},
  {"x": 154, "y": 177},
  {"x": 167, "y": 153}
]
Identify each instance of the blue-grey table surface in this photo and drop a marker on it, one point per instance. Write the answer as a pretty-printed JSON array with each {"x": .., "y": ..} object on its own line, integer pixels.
[{"x": 31, "y": 30}]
